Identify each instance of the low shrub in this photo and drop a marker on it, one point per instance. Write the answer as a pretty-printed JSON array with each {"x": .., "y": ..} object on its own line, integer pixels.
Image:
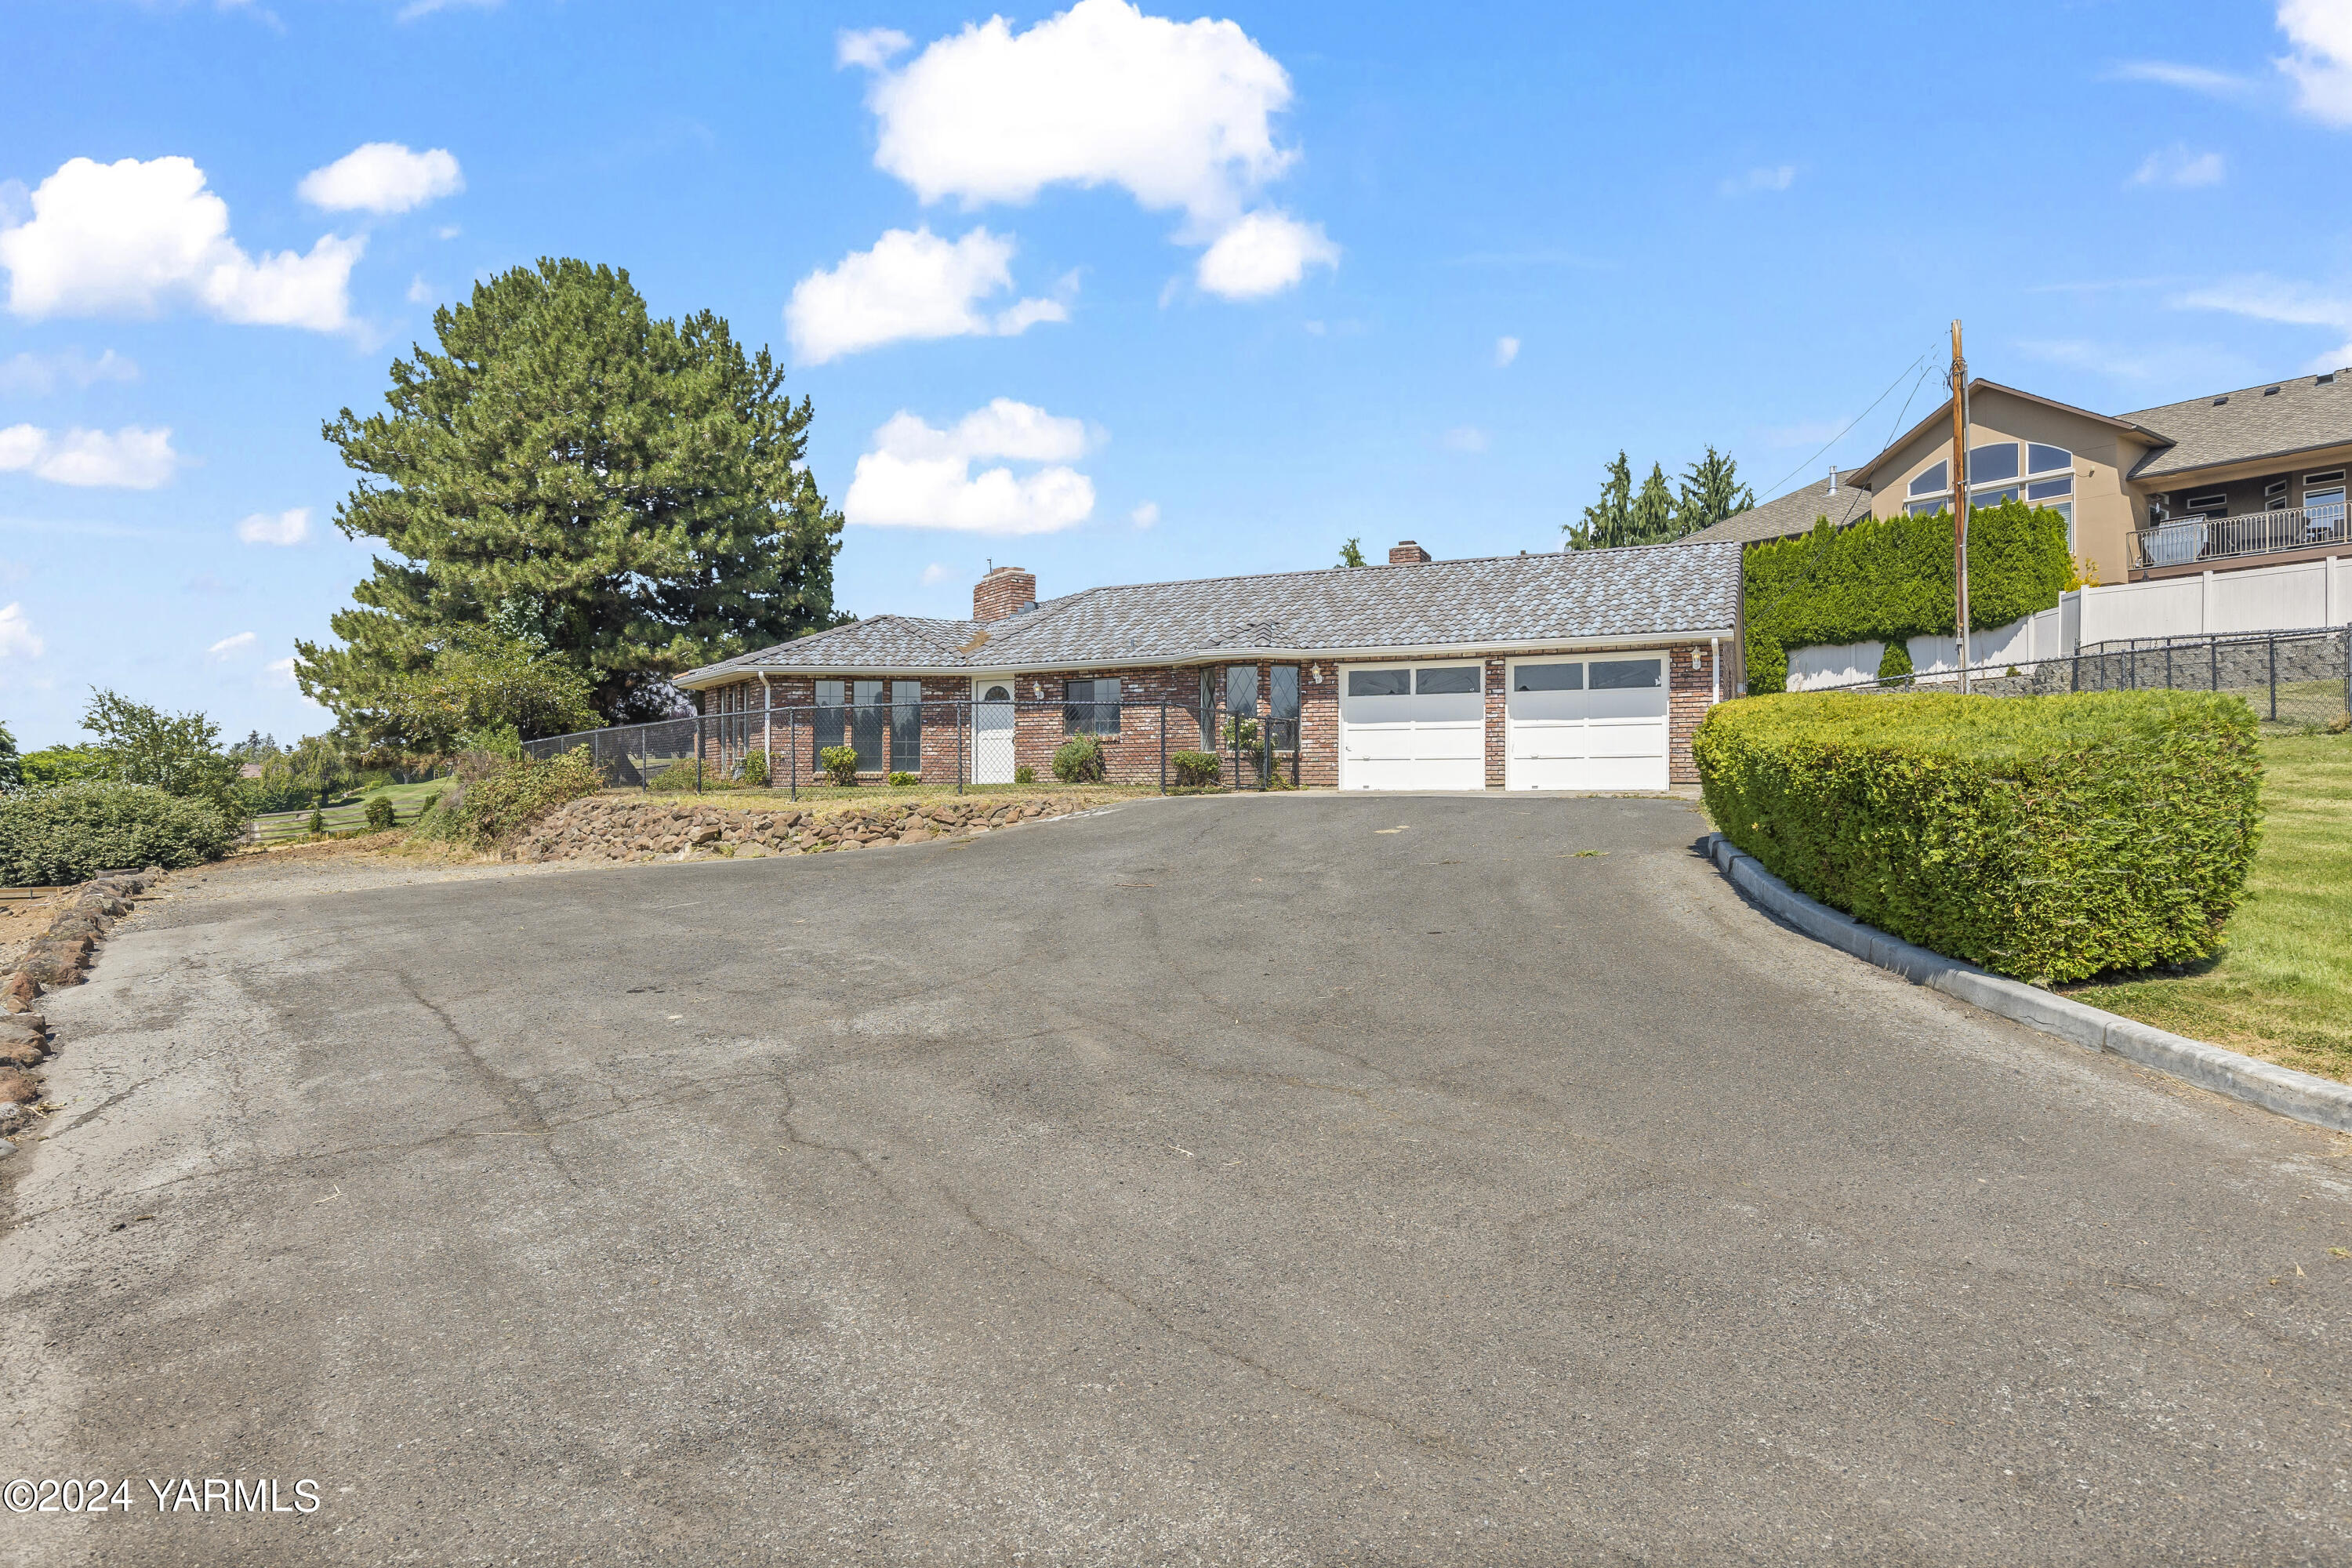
[
  {"x": 1194, "y": 769},
  {"x": 686, "y": 774},
  {"x": 381, "y": 813},
  {"x": 1079, "y": 760},
  {"x": 478, "y": 811},
  {"x": 1896, "y": 662},
  {"x": 840, "y": 765},
  {"x": 1025, "y": 774},
  {"x": 317, "y": 823},
  {"x": 755, "y": 769},
  {"x": 903, "y": 779},
  {"x": 2049, "y": 837},
  {"x": 73, "y": 831}
]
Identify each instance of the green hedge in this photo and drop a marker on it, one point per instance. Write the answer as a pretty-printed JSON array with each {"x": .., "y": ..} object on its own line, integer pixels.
[
  {"x": 1887, "y": 579},
  {"x": 72, "y": 832},
  {"x": 2049, "y": 837}
]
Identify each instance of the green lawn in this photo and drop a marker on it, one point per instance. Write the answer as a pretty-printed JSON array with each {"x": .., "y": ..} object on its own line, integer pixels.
[
  {"x": 2282, "y": 989},
  {"x": 349, "y": 811}
]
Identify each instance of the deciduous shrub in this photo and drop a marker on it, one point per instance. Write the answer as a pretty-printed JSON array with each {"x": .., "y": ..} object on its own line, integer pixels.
[
  {"x": 1194, "y": 769},
  {"x": 73, "y": 831},
  {"x": 2051, "y": 837},
  {"x": 686, "y": 774},
  {"x": 1025, "y": 774},
  {"x": 903, "y": 779},
  {"x": 1079, "y": 760},
  {"x": 755, "y": 769},
  {"x": 840, "y": 764},
  {"x": 381, "y": 813},
  {"x": 480, "y": 810},
  {"x": 1890, "y": 578}
]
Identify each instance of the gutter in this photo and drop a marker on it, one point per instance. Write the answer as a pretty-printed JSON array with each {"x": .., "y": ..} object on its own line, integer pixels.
[{"x": 698, "y": 679}]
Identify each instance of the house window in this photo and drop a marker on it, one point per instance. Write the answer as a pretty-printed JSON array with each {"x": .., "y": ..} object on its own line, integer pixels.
[
  {"x": 830, "y": 696},
  {"x": 1090, "y": 707},
  {"x": 1282, "y": 705},
  {"x": 1932, "y": 480},
  {"x": 1991, "y": 463},
  {"x": 1209, "y": 709},
  {"x": 2212, "y": 504},
  {"x": 907, "y": 726},
  {"x": 867, "y": 719},
  {"x": 2041, "y": 459},
  {"x": 1240, "y": 690},
  {"x": 2323, "y": 499}
]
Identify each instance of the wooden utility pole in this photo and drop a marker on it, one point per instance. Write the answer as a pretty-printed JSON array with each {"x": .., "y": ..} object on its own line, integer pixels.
[{"x": 1960, "y": 500}]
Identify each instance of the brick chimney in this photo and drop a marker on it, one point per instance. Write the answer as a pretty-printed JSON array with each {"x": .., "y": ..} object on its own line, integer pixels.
[
  {"x": 1406, "y": 553},
  {"x": 1002, "y": 592}
]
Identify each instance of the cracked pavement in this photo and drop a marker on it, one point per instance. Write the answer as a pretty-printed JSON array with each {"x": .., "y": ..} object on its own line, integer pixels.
[{"x": 1213, "y": 1180}]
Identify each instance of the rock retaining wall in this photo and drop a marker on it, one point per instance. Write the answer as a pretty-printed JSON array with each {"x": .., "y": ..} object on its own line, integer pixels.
[
  {"x": 618, "y": 827},
  {"x": 58, "y": 957}
]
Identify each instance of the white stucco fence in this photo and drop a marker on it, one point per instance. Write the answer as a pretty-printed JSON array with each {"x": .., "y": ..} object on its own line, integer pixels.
[{"x": 2293, "y": 597}]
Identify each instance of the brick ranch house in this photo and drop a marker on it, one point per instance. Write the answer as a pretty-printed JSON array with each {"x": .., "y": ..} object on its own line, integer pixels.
[{"x": 1578, "y": 670}]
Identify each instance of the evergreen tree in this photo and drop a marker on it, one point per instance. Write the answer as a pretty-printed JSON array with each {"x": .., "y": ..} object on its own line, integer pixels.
[
  {"x": 1606, "y": 522},
  {"x": 11, "y": 770},
  {"x": 633, "y": 488},
  {"x": 1652, "y": 519},
  {"x": 1711, "y": 491},
  {"x": 1352, "y": 553}
]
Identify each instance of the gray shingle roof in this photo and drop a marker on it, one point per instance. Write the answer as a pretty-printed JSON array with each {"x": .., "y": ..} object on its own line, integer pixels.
[
  {"x": 1794, "y": 513},
  {"x": 2251, "y": 423},
  {"x": 1563, "y": 597}
]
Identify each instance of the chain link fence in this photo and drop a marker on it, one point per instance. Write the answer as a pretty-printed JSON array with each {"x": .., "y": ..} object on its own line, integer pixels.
[
  {"x": 2294, "y": 679},
  {"x": 960, "y": 744}
]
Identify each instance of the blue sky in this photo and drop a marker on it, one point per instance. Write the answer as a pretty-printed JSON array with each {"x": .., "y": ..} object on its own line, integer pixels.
[{"x": 1116, "y": 294}]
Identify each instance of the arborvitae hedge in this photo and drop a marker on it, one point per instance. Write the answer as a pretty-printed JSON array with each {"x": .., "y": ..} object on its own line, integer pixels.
[
  {"x": 1889, "y": 578},
  {"x": 2050, "y": 837},
  {"x": 68, "y": 834}
]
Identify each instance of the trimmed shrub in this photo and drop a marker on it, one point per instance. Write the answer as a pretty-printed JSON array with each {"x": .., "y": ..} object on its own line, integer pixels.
[
  {"x": 840, "y": 765},
  {"x": 2048, "y": 837},
  {"x": 1896, "y": 662},
  {"x": 1889, "y": 578},
  {"x": 755, "y": 769},
  {"x": 684, "y": 775},
  {"x": 381, "y": 813},
  {"x": 482, "y": 810},
  {"x": 1025, "y": 774},
  {"x": 904, "y": 779},
  {"x": 1194, "y": 769},
  {"x": 72, "y": 832},
  {"x": 1079, "y": 760},
  {"x": 317, "y": 823}
]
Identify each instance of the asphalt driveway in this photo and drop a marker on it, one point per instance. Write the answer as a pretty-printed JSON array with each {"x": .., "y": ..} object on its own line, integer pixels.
[{"x": 1221, "y": 1180}]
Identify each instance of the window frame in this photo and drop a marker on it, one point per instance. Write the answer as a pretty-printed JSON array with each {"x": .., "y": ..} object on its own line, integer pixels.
[
  {"x": 868, "y": 714},
  {"x": 1094, "y": 702},
  {"x": 830, "y": 718},
  {"x": 907, "y": 726}
]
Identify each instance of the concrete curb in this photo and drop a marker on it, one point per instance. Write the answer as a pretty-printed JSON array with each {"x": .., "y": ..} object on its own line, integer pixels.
[{"x": 2321, "y": 1101}]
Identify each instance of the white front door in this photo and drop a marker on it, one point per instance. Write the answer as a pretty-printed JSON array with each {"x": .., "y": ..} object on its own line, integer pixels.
[
  {"x": 991, "y": 732},
  {"x": 1596, "y": 723},
  {"x": 1413, "y": 726}
]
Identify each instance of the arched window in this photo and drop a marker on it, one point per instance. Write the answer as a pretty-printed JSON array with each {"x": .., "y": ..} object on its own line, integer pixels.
[{"x": 2047, "y": 479}]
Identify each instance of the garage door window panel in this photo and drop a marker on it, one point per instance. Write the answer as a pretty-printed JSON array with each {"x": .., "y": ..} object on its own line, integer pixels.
[{"x": 1379, "y": 683}]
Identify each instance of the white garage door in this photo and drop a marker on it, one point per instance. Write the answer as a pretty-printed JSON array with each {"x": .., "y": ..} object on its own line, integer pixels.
[
  {"x": 1413, "y": 726},
  {"x": 1586, "y": 723}
]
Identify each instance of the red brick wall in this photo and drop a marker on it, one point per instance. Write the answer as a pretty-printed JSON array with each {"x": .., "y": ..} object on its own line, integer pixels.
[
  {"x": 1002, "y": 592},
  {"x": 1133, "y": 756}
]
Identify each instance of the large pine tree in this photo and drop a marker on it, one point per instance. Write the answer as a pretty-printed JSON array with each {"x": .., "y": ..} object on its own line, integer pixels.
[
  {"x": 1711, "y": 491},
  {"x": 636, "y": 489}
]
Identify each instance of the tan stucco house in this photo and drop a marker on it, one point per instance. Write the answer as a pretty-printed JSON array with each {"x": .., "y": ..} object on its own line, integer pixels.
[{"x": 2250, "y": 478}]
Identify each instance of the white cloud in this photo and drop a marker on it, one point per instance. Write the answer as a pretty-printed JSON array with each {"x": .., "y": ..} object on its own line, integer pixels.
[
  {"x": 230, "y": 646},
  {"x": 382, "y": 177},
  {"x": 918, "y": 476},
  {"x": 934, "y": 572},
  {"x": 870, "y": 48},
  {"x": 420, "y": 293},
  {"x": 1464, "y": 438},
  {"x": 1145, "y": 516},
  {"x": 912, "y": 284},
  {"x": 18, "y": 638},
  {"x": 1177, "y": 114},
  {"x": 130, "y": 238},
  {"x": 2266, "y": 298},
  {"x": 2177, "y": 165},
  {"x": 1263, "y": 253},
  {"x": 447, "y": 231},
  {"x": 37, "y": 376},
  {"x": 1776, "y": 177},
  {"x": 2321, "y": 66},
  {"x": 1506, "y": 350},
  {"x": 2189, "y": 79},
  {"x": 278, "y": 672},
  {"x": 129, "y": 459},
  {"x": 291, "y": 527}
]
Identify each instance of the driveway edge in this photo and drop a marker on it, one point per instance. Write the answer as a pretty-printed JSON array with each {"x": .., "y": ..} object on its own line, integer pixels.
[{"x": 2301, "y": 1095}]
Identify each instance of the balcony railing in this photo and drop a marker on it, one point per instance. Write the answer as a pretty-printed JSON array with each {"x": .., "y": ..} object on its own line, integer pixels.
[{"x": 2185, "y": 540}]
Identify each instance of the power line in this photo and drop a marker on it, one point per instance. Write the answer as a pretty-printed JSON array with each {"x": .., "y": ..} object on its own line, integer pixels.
[{"x": 1807, "y": 465}]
